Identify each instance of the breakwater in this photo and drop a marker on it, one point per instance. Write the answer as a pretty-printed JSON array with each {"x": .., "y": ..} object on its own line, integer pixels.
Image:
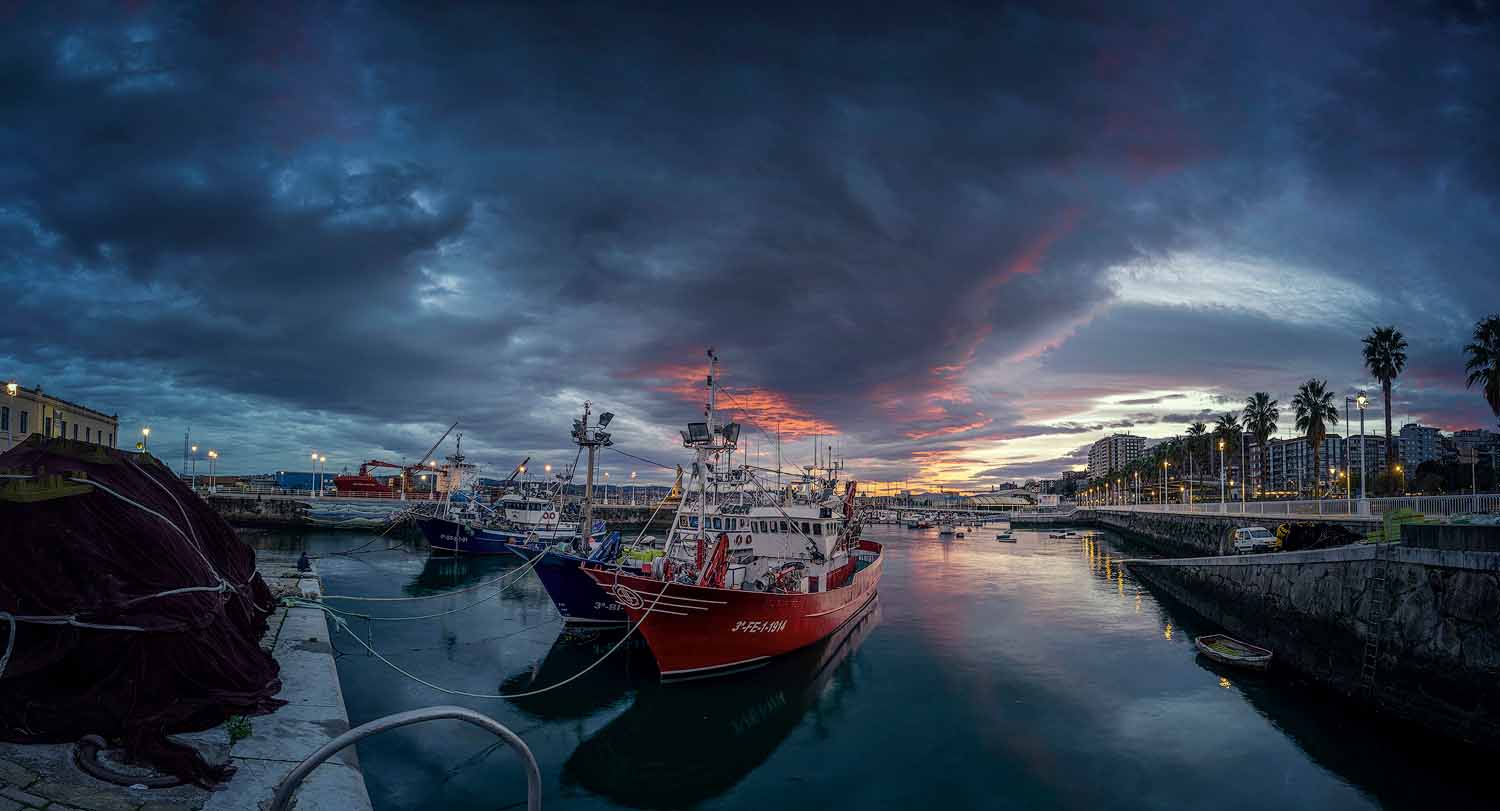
[{"x": 1414, "y": 632}]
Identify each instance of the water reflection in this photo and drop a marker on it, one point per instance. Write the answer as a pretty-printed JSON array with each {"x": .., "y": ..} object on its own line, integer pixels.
[
  {"x": 682, "y": 744},
  {"x": 448, "y": 572},
  {"x": 629, "y": 667}
]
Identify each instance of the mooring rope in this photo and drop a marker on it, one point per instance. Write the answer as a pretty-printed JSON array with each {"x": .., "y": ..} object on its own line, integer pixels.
[
  {"x": 10, "y": 641},
  {"x": 530, "y": 564},
  {"x": 344, "y": 626}
]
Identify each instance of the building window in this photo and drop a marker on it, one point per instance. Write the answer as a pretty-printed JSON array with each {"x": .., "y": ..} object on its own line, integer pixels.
[
  {"x": 88, "y": 435},
  {"x": 4, "y": 418},
  {"x": 75, "y": 430},
  {"x": 47, "y": 427},
  {"x": 24, "y": 415},
  {"x": 111, "y": 439}
]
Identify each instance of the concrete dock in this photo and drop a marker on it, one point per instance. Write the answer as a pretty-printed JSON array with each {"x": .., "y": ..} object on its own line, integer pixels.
[
  {"x": 44, "y": 776},
  {"x": 314, "y": 713}
]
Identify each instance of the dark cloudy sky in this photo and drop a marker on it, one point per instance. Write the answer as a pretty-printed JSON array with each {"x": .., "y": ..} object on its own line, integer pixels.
[{"x": 968, "y": 242}]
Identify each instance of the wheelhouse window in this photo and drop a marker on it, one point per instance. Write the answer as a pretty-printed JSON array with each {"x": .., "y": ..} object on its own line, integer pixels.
[
  {"x": 806, "y": 530},
  {"x": 718, "y": 524},
  {"x": 784, "y": 527},
  {"x": 817, "y": 529}
]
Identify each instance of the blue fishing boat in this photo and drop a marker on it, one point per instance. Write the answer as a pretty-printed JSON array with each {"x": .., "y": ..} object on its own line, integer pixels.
[
  {"x": 467, "y": 537},
  {"x": 578, "y": 598}
]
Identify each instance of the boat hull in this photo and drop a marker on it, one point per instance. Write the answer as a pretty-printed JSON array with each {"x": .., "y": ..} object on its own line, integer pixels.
[
  {"x": 578, "y": 597},
  {"x": 696, "y": 631},
  {"x": 447, "y": 535},
  {"x": 1234, "y": 652}
]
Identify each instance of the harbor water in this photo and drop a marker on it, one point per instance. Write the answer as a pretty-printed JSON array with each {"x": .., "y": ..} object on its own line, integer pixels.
[{"x": 987, "y": 675}]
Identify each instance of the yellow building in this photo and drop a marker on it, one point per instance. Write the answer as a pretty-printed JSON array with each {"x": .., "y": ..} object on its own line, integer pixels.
[{"x": 24, "y": 412}]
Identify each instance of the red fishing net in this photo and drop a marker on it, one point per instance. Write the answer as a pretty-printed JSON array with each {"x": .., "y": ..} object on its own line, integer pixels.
[{"x": 91, "y": 537}]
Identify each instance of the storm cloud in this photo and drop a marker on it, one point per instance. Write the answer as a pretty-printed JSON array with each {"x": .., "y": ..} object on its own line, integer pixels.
[{"x": 962, "y": 239}]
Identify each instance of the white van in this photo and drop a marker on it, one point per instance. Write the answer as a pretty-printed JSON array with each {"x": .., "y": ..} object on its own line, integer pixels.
[{"x": 1253, "y": 539}]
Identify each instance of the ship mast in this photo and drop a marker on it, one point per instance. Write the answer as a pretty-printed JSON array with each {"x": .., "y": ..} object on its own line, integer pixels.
[{"x": 593, "y": 439}]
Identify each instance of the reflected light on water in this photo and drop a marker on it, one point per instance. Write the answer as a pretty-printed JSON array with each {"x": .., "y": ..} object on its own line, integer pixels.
[
  {"x": 1225, "y": 683},
  {"x": 1167, "y": 631}
]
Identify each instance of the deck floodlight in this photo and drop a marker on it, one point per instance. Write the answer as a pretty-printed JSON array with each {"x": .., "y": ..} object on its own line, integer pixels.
[
  {"x": 698, "y": 432},
  {"x": 605, "y": 418},
  {"x": 732, "y": 433}
]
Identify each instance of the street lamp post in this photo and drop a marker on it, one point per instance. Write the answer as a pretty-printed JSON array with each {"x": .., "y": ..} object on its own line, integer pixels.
[
  {"x": 195, "y": 468},
  {"x": 1222, "y": 498},
  {"x": 213, "y": 463},
  {"x": 1362, "y": 401},
  {"x": 313, "y": 488},
  {"x": 1164, "y": 465},
  {"x": 146, "y": 439},
  {"x": 322, "y": 472}
]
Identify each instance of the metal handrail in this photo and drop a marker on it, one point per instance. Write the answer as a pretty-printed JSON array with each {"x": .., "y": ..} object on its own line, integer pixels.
[
  {"x": 1432, "y": 506},
  {"x": 289, "y": 785}
]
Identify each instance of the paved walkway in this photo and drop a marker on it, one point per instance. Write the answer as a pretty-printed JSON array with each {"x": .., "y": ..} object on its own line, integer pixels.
[{"x": 39, "y": 776}]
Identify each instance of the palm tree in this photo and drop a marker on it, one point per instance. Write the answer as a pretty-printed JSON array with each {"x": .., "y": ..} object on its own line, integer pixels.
[
  {"x": 1227, "y": 432},
  {"x": 1315, "y": 412},
  {"x": 1483, "y": 365},
  {"x": 1385, "y": 357},
  {"x": 1261, "y": 413},
  {"x": 1197, "y": 434}
]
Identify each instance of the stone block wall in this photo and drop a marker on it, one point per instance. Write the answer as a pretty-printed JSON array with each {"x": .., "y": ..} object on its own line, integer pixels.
[{"x": 1438, "y": 636}]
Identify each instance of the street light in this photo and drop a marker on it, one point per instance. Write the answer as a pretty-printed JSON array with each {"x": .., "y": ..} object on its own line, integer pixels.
[
  {"x": 314, "y": 486},
  {"x": 145, "y": 438},
  {"x": 213, "y": 458},
  {"x": 11, "y": 388},
  {"x": 1222, "y": 497},
  {"x": 195, "y": 468},
  {"x": 1361, "y": 400}
]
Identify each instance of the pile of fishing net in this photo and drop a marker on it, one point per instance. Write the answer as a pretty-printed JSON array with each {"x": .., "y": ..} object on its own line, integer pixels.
[{"x": 128, "y": 608}]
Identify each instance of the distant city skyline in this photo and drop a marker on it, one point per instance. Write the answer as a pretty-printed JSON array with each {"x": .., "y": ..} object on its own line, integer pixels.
[{"x": 960, "y": 245}]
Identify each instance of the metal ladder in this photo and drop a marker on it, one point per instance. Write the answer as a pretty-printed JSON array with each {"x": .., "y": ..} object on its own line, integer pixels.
[
  {"x": 289, "y": 784},
  {"x": 1379, "y": 608}
]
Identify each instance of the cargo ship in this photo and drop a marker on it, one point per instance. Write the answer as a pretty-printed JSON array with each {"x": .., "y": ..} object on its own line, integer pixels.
[{"x": 748, "y": 572}]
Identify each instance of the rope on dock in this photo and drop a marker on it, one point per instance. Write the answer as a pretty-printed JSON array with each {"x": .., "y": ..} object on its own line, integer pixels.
[{"x": 10, "y": 641}]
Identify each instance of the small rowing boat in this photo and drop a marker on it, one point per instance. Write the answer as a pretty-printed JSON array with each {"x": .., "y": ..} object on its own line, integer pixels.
[
  {"x": 1005, "y": 537},
  {"x": 1230, "y": 651}
]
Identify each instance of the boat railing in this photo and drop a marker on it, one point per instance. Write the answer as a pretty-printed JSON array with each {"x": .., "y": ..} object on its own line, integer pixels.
[{"x": 289, "y": 784}]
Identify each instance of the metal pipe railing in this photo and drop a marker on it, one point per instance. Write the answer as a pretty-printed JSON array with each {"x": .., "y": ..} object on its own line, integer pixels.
[{"x": 289, "y": 784}]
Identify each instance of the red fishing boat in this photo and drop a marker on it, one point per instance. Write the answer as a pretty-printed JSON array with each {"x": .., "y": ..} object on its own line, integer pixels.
[{"x": 748, "y": 572}]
